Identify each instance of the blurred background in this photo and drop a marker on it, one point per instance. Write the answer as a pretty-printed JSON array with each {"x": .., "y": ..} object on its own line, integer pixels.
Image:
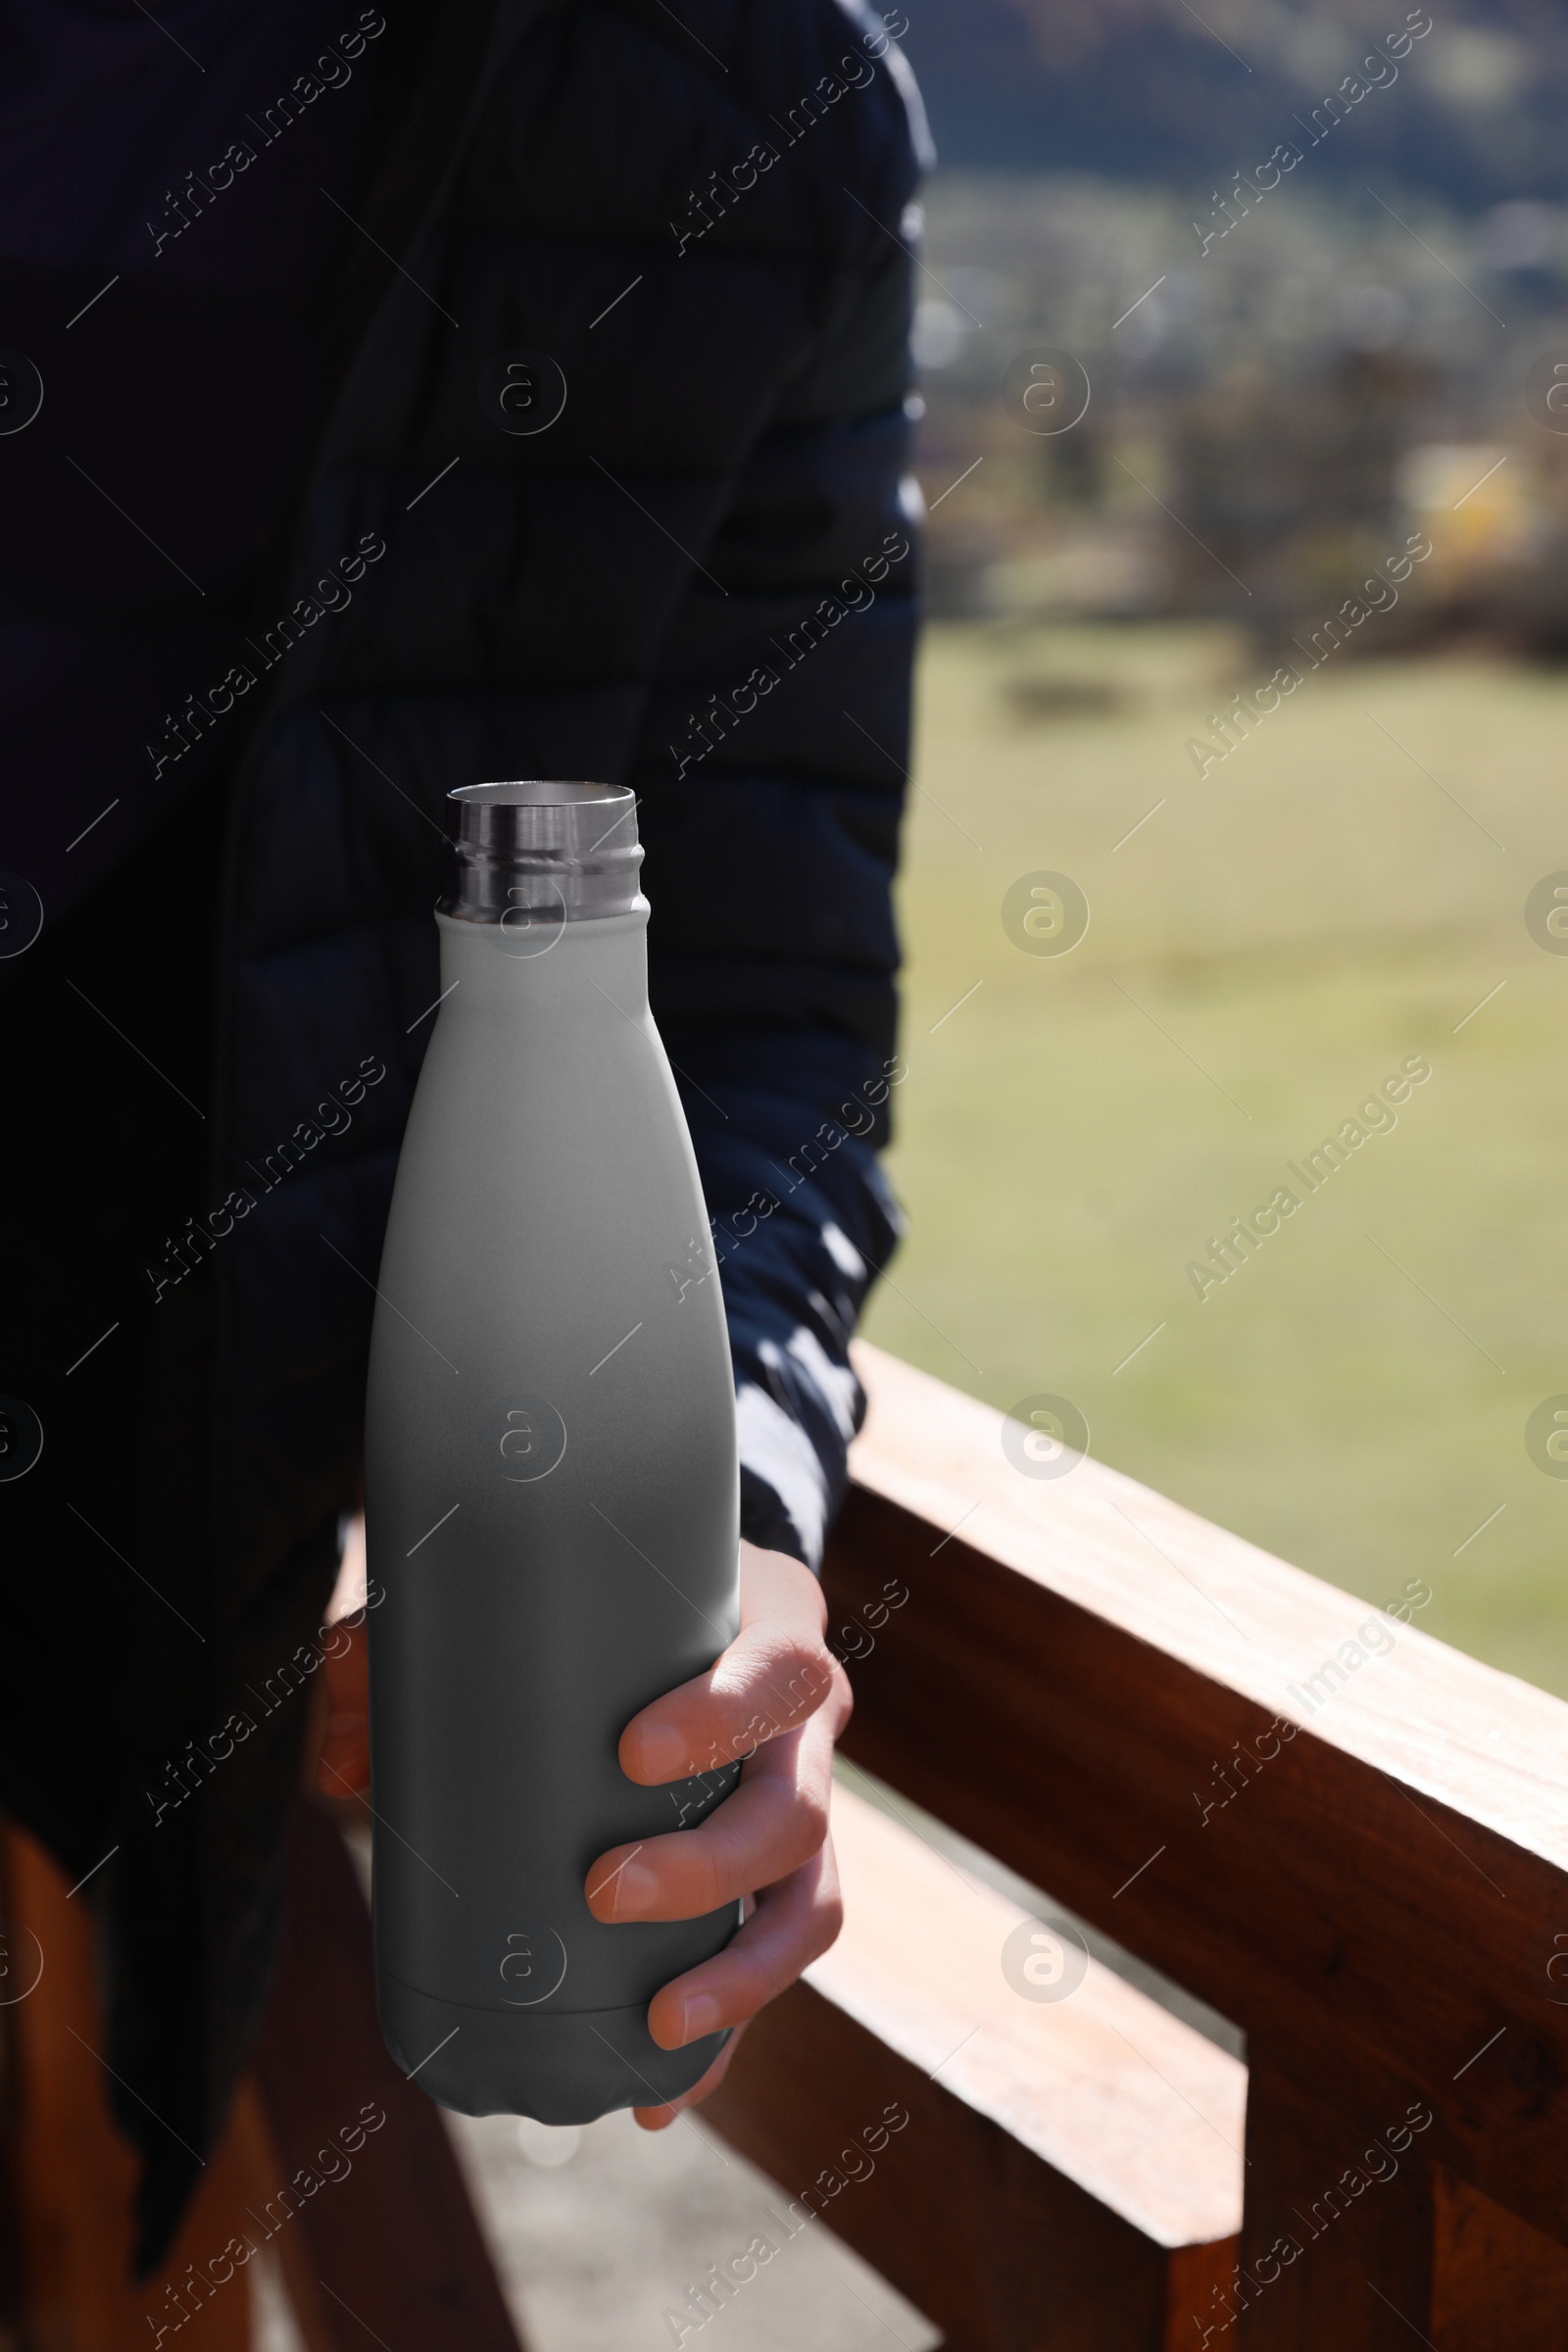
[{"x": 1307, "y": 264}]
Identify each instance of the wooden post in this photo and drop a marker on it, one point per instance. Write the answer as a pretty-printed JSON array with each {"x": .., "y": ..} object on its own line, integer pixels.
[
  {"x": 386, "y": 2240},
  {"x": 394, "y": 2246},
  {"x": 71, "y": 2176},
  {"x": 1336, "y": 2243}
]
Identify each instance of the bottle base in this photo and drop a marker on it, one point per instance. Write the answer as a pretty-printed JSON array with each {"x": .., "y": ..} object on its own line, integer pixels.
[{"x": 568, "y": 2068}]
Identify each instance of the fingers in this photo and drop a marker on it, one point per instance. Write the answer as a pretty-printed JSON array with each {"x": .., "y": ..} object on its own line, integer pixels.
[
  {"x": 777, "y": 1700},
  {"x": 773, "y": 1676},
  {"x": 765, "y": 1685},
  {"x": 775, "y": 1821},
  {"x": 659, "y": 2119},
  {"x": 793, "y": 1924}
]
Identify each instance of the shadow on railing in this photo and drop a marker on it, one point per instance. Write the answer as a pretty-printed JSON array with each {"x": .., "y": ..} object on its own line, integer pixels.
[{"x": 1345, "y": 1837}]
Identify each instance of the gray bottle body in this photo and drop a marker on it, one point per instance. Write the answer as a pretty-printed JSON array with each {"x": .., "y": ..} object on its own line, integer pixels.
[{"x": 551, "y": 1504}]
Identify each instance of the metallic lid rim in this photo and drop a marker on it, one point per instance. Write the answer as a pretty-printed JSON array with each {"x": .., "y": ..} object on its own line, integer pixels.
[{"x": 531, "y": 792}]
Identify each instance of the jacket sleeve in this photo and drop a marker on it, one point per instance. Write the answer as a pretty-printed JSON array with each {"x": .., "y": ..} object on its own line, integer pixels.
[{"x": 772, "y": 768}]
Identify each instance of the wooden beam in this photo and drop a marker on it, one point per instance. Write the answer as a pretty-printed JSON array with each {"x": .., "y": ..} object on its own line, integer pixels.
[
  {"x": 1337, "y": 2243},
  {"x": 1497, "y": 2280},
  {"x": 71, "y": 2176},
  {"x": 1081, "y": 1668},
  {"x": 388, "y": 2236},
  {"x": 1069, "y": 2172}
]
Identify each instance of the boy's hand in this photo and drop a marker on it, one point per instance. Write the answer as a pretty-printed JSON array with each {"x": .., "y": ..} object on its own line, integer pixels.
[{"x": 778, "y": 1699}]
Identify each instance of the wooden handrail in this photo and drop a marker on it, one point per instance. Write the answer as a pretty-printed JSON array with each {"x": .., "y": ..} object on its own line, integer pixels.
[
  {"x": 1366, "y": 1867},
  {"x": 1031, "y": 2173},
  {"x": 1110, "y": 2091}
]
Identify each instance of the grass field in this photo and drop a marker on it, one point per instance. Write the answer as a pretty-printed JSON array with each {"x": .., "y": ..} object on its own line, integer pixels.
[{"x": 1274, "y": 942}]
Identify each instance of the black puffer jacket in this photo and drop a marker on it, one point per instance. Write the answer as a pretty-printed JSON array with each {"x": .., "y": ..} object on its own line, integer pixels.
[{"x": 698, "y": 579}]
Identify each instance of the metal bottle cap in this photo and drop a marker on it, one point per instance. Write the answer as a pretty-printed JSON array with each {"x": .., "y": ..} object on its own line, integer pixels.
[{"x": 532, "y": 856}]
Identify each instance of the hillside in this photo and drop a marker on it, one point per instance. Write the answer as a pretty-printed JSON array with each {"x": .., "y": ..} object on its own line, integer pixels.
[{"x": 1155, "y": 90}]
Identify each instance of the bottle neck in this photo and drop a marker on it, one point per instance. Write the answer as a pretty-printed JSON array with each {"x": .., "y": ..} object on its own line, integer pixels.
[{"x": 511, "y": 973}]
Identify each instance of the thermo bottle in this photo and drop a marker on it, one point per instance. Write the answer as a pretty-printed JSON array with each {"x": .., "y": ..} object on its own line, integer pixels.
[{"x": 550, "y": 1481}]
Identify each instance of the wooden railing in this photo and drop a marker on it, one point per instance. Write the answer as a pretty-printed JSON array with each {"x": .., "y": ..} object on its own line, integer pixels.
[{"x": 1348, "y": 1838}]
